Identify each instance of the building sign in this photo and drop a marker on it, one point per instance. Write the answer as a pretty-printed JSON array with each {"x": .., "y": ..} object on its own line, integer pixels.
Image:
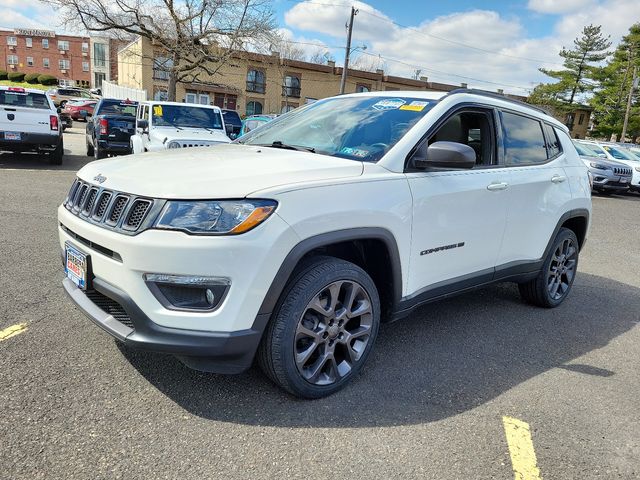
[{"x": 32, "y": 32}]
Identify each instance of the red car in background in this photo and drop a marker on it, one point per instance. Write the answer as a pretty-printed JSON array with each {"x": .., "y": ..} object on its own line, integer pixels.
[{"x": 79, "y": 109}]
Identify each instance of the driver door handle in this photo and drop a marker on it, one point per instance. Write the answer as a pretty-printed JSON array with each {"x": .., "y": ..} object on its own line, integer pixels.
[
  {"x": 558, "y": 178},
  {"x": 493, "y": 187}
]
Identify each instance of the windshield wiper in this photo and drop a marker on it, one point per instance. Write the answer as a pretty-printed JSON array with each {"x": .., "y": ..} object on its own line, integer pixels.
[{"x": 279, "y": 144}]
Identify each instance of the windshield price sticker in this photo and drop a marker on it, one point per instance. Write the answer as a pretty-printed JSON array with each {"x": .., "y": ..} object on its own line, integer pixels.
[
  {"x": 389, "y": 104},
  {"x": 415, "y": 106},
  {"x": 157, "y": 110},
  {"x": 356, "y": 152}
]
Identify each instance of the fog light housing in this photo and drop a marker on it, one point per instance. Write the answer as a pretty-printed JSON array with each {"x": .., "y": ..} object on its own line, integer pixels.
[{"x": 188, "y": 293}]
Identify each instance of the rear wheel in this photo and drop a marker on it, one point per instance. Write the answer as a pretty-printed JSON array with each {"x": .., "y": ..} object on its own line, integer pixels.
[
  {"x": 323, "y": 329},
  {"x": 55, "y": 157},
  {"x": 98, "y": 152},
  {"x": 89, "y": 149},
  {"x": 554, "y": 282}
]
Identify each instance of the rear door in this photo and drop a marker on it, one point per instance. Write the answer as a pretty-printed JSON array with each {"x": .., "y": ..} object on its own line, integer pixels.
[
  {"x": 24, "y": 112},
  {"x": 538, "y": 184},
  {"x": 459, "y": 215}
]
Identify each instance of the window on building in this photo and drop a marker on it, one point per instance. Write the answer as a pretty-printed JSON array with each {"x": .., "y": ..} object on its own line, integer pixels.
[
  {"x": 190, "y": 97},
  {"x": 98, "y": 78},
  {"x": 64, "y": 64},
  {"x": 161, "y": 68},
  {"x": 63, "y": 45},
  {"x": 524, "y": 143},
  {"x": 12, "y": 60},
  {"x": 85, "y": 47},
  {"x": 581, "y": 119},
  {"x": 85, "y": 66},
  {"x": 256, "y": 81},
  {"x": 254, "y": 108},
  {"x": 162, "y": 96},
  {"x": 29, "y": 42},
  {"x": 291, "y": 86},
  {"x": 363, "y": 88},
  {"x": 287, "y": 107},
  {"x": 29, "y": 61},
  {"x": 99, "y": 56},
  {"x": 45, "y": 62},
  {"x": 12, "y": 41},
  {"x": 45, "y": 43}
]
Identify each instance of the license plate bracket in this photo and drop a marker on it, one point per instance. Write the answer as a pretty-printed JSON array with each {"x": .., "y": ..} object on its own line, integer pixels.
[
  {"x": 76, "y": 266},
  {"x": 12, "y": 136}
]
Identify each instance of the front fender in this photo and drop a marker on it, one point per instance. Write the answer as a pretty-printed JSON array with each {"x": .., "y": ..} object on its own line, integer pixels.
[{"x": 136, "y": 144}]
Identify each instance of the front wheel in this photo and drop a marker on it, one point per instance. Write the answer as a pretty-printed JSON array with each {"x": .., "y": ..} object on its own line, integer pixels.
[
  {"x": 554, "y": 282},
  {"x": 323, "y": 329}
]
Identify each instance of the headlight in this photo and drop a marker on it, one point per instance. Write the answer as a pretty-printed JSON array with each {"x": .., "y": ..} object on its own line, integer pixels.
[
  {"x": 174, "y": 144},
  {"x": 599, "y": 166},
  {"x": 215, "y": 217}
]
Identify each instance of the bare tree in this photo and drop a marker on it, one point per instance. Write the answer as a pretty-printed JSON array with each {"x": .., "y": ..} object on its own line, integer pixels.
[
  {"x": 367, "y": 63},
  {"x": 289, "y": 51},
  {"x": 195, "y": 37},
  {"x": 321, "y": 56}
]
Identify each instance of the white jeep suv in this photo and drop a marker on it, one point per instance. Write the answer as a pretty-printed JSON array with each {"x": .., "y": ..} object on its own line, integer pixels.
[{"x": 292, "y": 244}]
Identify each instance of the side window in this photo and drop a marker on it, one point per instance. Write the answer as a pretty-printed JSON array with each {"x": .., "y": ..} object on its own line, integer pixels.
[
  {"x": 524, "y": 142},
  {"x": 472, "y": 128},
  {"x": 553, "y": 143}
]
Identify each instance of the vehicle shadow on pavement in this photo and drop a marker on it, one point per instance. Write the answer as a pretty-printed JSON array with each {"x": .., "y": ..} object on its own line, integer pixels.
[
  {"x": 447, "y": 358},
  {"x": 35, "y": 161}
]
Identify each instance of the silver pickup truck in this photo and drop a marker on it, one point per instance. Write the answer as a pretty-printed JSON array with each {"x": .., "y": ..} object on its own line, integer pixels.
[{"x": 29, "y": 122}]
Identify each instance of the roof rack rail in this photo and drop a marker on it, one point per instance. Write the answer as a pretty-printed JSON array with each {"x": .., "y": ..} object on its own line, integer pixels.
[{"x": 498, "y": 96}]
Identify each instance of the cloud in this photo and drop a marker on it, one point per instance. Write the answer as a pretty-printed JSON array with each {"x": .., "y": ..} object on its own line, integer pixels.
[
  {"x": 479, "y": 47},
  {"x": 558, "y": 6}
]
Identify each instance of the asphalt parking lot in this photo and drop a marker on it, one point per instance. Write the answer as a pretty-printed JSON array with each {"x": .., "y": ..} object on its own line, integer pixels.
[{"x": 431, "y": 403}]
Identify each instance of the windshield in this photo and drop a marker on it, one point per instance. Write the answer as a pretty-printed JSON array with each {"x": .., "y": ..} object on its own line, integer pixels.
[
  {"x": 185, "y": 116},
  {"x": 619, "y": 153},
  {"x": 358, "y": 128},
  {"x": 589, "y": 150},
  {"x": 118, "y": 108},
  {"x": 24, "y": 99}
]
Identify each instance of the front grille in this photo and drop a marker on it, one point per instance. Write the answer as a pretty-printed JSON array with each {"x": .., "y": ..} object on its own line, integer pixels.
[
  {"x": 111, "y": 307},
  {"x": 111, "y": 209},
  {"x": 136, "y": 214},
  {"x": 622, "y": 171}
]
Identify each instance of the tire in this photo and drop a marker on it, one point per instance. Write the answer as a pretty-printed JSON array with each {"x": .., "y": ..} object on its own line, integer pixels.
[
  {"x": 89, "y": 149},
  {"x": 55, "y": 157},
  {"x": 553, "y": 284},
  {"x": 312, "y": 354},
  {"x": 97, "y": 152}
]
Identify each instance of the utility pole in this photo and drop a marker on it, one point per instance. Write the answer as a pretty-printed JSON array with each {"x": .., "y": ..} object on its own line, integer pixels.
[
  {"x": 343, "y": 80},
  {"x": 634, "y": 85}
]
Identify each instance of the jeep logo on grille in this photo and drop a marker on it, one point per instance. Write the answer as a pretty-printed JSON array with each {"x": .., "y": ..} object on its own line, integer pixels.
[{"x": 100, "y": 178}]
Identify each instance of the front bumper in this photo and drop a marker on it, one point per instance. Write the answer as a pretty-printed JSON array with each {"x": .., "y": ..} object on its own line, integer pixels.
[
  {"x": 219, "y": 352},
  {"x": 605, "y": 180}
]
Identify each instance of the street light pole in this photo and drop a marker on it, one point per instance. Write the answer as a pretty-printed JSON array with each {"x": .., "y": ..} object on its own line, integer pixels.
[
  {"x": 634, "y": 85},
  {"x": 343, "y": 80}
]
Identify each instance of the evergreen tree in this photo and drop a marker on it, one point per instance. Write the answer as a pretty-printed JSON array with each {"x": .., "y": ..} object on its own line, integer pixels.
[
  {"x": 610, "y": 100},
  {"x": 578, "y": 74}
]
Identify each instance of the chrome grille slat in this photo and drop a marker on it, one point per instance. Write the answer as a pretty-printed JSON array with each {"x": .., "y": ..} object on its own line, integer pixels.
[{"x": 109, "y": 209}]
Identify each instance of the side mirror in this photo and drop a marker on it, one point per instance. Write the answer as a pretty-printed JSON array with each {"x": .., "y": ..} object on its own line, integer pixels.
[
  {"x": 450, "y": 155},
  {"x": 143, "y": 124}
]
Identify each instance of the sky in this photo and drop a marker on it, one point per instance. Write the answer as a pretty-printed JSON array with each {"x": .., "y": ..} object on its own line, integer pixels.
[{"x": 486, "y": 44}]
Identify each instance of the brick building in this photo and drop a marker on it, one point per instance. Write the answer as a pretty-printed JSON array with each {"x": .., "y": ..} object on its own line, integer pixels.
[{"x": 65, "y": 57}]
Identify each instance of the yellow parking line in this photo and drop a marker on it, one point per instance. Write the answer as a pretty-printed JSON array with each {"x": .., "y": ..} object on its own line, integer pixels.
[
  {"x": 12, "y": 331},
  {"x": 523, "y": 456}
]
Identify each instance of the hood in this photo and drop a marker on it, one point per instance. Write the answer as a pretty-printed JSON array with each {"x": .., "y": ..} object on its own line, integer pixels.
[
  {"x": 221, "y": 171},
  {"x": 601, "y": 160},
  {"x": 185, "y": 134}
]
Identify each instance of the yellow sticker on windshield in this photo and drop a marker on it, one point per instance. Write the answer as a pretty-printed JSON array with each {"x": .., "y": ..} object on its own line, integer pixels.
[
  {"x": 157, "y": 110},
  {"x": 414, "y": 106}
]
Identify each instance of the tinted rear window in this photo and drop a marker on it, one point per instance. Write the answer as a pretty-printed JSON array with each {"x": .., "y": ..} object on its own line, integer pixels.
[
  {"x": 524, "y": 143},
  {"x": 553, "y": 143},
  {"x": 17, "y": 99},
  {"x": 118, "y": 108},
  {"x": 231, "y": 117}
]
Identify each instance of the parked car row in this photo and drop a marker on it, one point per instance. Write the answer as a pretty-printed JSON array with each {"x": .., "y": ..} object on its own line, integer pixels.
[{"x": 614, "y": 167}]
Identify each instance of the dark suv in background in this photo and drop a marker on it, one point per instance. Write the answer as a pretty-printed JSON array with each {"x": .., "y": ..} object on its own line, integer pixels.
[{"x": 232, "y": 123}]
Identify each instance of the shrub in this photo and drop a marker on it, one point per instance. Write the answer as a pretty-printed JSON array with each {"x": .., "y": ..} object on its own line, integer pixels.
[
  {"x": 16, "y": 76},
  {"x": 31, "y": 77},
  {"x": 3, "y": 75},
  {"x": 47, "y": 80}
]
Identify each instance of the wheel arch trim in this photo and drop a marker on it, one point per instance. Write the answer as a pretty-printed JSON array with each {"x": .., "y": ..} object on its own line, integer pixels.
[{"x": 325, "y": 239}]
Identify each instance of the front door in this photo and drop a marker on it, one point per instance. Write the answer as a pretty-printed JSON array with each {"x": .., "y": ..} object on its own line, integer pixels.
[{"x": 459, "y": 215}]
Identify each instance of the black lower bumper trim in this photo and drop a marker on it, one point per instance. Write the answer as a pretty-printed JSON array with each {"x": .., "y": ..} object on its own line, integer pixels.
[{"x": 218, "y": 352}]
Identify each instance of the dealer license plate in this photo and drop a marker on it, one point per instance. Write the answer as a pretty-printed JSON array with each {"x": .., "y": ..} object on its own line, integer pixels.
[
  {"x": 12, "y": 136},
  {"x": 75, "y": 266}
]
